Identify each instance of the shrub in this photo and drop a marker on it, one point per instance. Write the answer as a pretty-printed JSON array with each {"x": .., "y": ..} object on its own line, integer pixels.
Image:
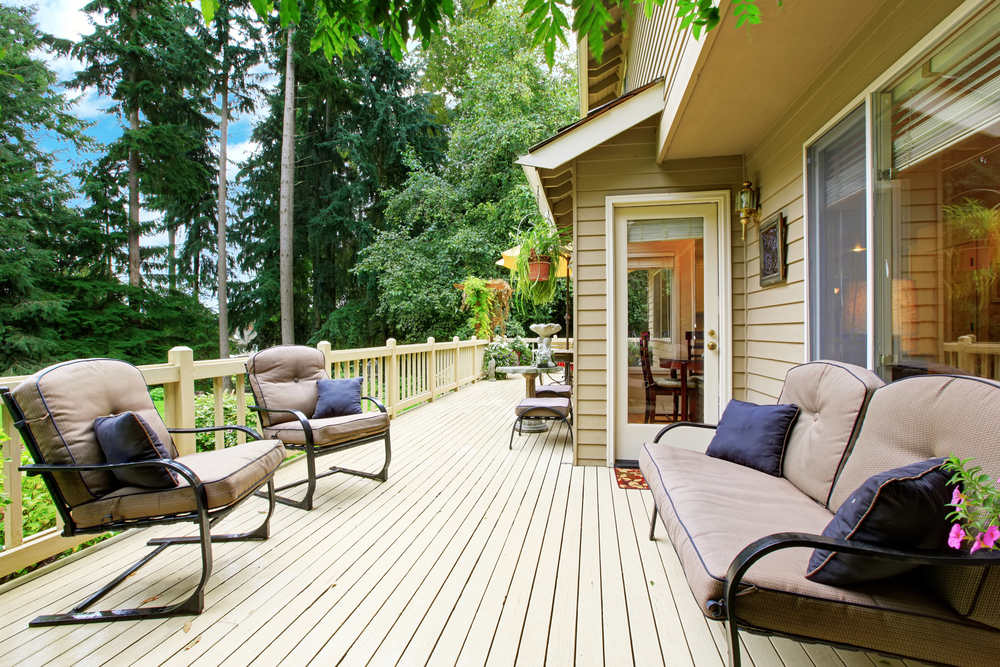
[
  {"x": 501, "y": 353},
  {"x": 37, "y": 509},
  {"x": 204, "y": 416}
]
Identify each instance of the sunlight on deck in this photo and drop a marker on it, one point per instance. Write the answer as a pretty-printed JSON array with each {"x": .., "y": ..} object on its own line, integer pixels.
[{"x": 469, "y": 554}]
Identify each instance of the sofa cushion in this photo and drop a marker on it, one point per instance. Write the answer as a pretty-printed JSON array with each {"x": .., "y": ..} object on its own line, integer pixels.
[
  {"x": 832, "y": 397},
  {"x": 904, "y": 508},
  {"x": 285, "y": 377},
  {"x": 127, "y": 438},
  {"x": 338, "y": 397},
  {"x": 753, "y": 435},
  {"x": 712, "y": 509},
  {"x": 932, "y": 416},
  {"x": 331, "y": 431},
  {"x": 229, "y": 475},
  {"x": 60, "y": 404}
]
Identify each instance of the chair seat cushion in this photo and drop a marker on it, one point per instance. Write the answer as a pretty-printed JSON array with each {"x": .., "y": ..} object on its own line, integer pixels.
[
  {"x": 542, "y": 407},
  {"x": 712, "y": 509},
  {"x": 553, "y": 390},
  {"x": 229, "y": 475},
  {"x": 332, "y": 430},
  {"x": 667, "y": 383}
]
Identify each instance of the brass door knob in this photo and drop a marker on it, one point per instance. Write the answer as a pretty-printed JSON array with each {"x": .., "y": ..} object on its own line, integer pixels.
[
  {"x": 711, "y": 346},
  {"x": 711, "y": 332}
]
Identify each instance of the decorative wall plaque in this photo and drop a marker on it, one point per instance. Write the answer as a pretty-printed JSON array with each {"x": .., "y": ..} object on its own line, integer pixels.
[{"x": 772, "y": 250}]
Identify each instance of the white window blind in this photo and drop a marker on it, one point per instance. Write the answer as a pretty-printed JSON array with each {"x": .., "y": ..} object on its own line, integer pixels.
[
  {"x": 952, "y": 95},
  {"x": 673, "y": 229}
]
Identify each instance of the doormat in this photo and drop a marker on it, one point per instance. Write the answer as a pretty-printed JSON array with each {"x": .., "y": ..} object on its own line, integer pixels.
[{"x": 630, "y": 478}]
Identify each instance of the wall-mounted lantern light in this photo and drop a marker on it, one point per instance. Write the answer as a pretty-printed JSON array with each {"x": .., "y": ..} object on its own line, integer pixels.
[{"x": 748, "y": 205}]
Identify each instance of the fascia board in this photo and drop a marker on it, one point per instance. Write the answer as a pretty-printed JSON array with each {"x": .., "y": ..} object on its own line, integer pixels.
[
  {"x": 592, "y": 134},
  {"x": 535, "y": 183}
]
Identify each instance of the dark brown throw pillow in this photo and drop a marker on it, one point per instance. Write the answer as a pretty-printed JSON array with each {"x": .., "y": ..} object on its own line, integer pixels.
[
  {"x": 127, "y": 438},
  {"x": 905, "y": 508}
]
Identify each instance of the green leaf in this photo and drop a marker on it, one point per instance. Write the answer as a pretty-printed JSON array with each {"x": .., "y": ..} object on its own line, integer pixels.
[{"x": 208, "y": 9}]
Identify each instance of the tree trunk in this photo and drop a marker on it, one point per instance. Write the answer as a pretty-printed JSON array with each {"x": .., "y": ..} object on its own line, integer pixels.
[
  {"x": 285, "y": 206},
  {"x": 133, "y": 188},
  {"x": 223, "y": 286},
  {"x": 172, "y": 257}
]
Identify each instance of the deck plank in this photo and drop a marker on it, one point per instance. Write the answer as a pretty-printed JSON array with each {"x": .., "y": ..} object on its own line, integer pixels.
[{"x": 471, "y": 554}]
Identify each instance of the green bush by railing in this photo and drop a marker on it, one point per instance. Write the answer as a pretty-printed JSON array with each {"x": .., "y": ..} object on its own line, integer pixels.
[{"x": 204, "y": 416}]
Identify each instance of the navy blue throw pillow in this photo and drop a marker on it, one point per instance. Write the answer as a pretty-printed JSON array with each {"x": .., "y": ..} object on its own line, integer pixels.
[
  {"x": 905, "y": 508},
  {"x": 753, "y": 435},
  {"x": 127, "y": 438},
  {"x": 338, "y": 398}
]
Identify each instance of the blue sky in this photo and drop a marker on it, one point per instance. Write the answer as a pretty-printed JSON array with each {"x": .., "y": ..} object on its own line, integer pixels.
[{"x": 66, "y": 19}]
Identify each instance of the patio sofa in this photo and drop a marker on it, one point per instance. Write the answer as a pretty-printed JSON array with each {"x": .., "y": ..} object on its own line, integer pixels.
[{"x": 744, "y": 538}]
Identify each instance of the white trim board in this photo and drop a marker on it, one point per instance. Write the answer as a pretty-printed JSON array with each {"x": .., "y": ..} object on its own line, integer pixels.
[
  {"x": 721, "y": 198},
  {"x": 593, "y": 133}
]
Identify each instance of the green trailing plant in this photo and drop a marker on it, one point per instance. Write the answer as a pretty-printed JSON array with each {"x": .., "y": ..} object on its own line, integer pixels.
[
  {"x": 543, "y": 242},
  {"x": 204, "y": 416},
  {"x": 970, "y": 220},
  {"x": 477, "y": 298}
]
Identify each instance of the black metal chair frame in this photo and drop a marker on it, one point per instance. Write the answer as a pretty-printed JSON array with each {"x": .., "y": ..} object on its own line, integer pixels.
[
  {"x": 313, "y": 452},
  {"x": 725, "y": 608},
  {"x": 203, "y": 517},
  {"x": 556, "y": 416}
]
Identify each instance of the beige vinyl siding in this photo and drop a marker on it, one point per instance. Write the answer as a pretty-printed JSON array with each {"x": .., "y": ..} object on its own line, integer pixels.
[
  {"x": 769, "y": 323},
  {"x": 654, "y": 44},
  {"x": 625, "y": 165}
]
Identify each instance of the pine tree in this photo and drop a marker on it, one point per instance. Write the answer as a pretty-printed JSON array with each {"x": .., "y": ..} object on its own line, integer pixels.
[{"x": 32, "y": 195}]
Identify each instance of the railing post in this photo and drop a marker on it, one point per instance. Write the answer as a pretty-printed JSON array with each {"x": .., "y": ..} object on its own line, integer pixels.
[
  {"x": 392, "y": 378},
  {"x": 432, "y": 368},
  {"x": 13, "y": 525},
  {"x": 472, "y": 370},
  {"x": 179, "y": 398},
  {"x": 458, "y": 362},
  {"x": 325, "y": 347},
  {"x": 219, "y": 399},
  {"x": 241, "y": 406},
  {"x": 965, "y": 360}
]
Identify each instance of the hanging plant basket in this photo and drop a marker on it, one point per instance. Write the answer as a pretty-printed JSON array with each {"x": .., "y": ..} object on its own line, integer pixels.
[{"x": 539, "y": 267}]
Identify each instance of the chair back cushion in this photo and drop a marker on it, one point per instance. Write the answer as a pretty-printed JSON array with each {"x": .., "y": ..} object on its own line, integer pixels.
[
  {"x": 285, "y": 377},
  {"x": 925, "y": 417},
  {"x": 60, "y": 404},
  {"x": 832, "y": 397}
]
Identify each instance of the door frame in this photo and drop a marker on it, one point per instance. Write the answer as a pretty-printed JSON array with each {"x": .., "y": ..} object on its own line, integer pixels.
[{"x": 721, "y": 198}]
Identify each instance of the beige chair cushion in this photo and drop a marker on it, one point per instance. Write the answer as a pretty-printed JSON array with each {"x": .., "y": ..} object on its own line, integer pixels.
[
  {"x": 332, "y": 430},
  {"x": 553, "y": 390},
  {"x": 285, "y": 377},
  {"x": 528, "y": 407},
  {"x": 667, "y": 382},
  {"x": 924, "y": 417},
  {"x": 229, "y": 475},
  {"x": 712, "y": 509},
  {"x": 832, "y": 397},
  {"x": 60, "y": 404}
]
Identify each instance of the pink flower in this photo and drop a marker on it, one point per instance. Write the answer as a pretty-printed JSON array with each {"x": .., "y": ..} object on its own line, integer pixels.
[
  {"x": 957, "y": 497},
  {"x": 956, "y": 537},
  {"x": 990, "y": 537},
  {"x": 977, "y": 545}
]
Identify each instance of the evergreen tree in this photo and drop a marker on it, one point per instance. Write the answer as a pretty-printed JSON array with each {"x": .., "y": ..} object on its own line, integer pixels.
[
  {"x": 356, "y": 116},
  {"x": 144, "y": 55},
  {"x": 32, "y": 194}
]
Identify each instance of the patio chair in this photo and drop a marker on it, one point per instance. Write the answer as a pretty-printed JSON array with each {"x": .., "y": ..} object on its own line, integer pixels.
[
  {"x": 656, "y": 385},
  {"x": 542, "y": 408},
  {"x": 55, "y": 411},
  {"x": 284, "y": 381}
]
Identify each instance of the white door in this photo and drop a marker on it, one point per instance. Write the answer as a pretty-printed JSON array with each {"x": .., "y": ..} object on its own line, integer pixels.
[{"x": 666, "y": 323}]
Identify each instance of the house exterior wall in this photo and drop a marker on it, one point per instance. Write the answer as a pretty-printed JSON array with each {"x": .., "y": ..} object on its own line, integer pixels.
[
  {"x": 654, "y": 47},
  {"x": 624, "y": 165},
  {"x": 769, "y": 323}
]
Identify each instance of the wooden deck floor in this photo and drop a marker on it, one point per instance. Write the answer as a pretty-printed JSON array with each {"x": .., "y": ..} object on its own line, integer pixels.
[{"x": 469, "y": 555}]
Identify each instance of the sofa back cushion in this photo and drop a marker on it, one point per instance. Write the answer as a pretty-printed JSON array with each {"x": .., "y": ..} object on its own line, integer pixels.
[
  {"x": 60, "y": 404},
  {"x": 832, "y": 397},
  {"x": 285, "y": 377},
  {"x": 924, "y": 417}
]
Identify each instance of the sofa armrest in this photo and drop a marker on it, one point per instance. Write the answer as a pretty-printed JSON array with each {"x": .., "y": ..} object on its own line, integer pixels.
[
  {"x": 678, "y": 425},
  {"x": 377, "y": 403}
]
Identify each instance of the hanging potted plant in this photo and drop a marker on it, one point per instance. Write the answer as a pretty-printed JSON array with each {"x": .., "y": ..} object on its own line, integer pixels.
[{"x": 535, "y": 273}]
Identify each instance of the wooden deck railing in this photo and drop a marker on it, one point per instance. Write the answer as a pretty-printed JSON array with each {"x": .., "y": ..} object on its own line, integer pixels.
[
  {"x": 401, "y": 376},
  {"x": 979, "y": 359}
]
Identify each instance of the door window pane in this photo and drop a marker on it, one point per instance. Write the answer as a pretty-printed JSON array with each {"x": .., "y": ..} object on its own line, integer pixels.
[
  {"x": 838, "y": 248},
  {"x": 938, "y": 207}
]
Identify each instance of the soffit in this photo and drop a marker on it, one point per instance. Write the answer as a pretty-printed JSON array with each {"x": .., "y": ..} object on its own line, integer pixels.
[{"x": 749, "y": 81}]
